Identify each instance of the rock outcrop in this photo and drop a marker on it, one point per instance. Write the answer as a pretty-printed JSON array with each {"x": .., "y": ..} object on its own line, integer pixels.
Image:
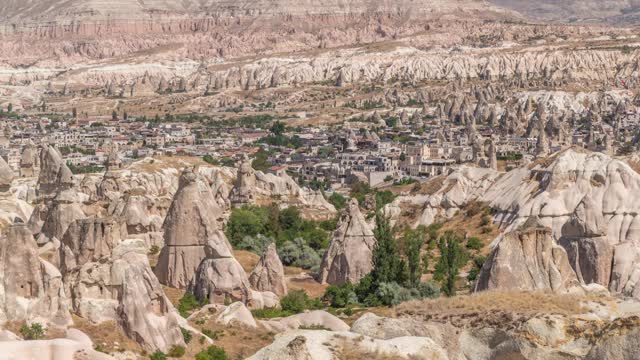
[
  {"x": 268, "y": 275},
  {"x": 89, "y": 240},
  {"x": 322, "y": 344},
  {"x": 63, "y": 210},
  {"x": 349, "y": 256},
  {"x": 191, "y": 225},
  {"x": 6, "y": 176},
  {"x": 54, "y": 174},
  {"x": 121, "y": 287},
  {"x": 318, "y": 318},
  {"x": 31, "y": 288},
  {"x": 244, "y": 189},
  {"x": 29, "y": 161},
  {"x": 527, "y": 259}
]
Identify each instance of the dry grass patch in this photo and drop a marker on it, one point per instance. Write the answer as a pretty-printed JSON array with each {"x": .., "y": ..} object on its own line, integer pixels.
[
  {"x": 247, "y": 259},
  {"x": 174, "y": 295},
  {"x": 238, "y": 341},
  {"x": 505, "y": 310},
  {"x": 107, "y": 336}
]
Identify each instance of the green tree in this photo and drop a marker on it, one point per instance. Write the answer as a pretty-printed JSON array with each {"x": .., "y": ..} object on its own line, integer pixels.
[
  {"x": 338, "y": 201},
  {"x": 452, "y": 258},
  {"x": 413, "y": 241},
  {"x": 246, "y": 221},
  {"x": 114, "y": 115},
  {"x": 10, "y": 107},
  {"x": 387, "y": 265},
  {"x": 212, "y": 353},
  {"x": 278, "y": 128},
  {"x": 74, "y": 113}
]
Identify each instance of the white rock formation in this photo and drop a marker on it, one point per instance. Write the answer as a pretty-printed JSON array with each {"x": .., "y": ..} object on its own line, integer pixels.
[
  {"x": 349, "y": 256},
  {"x": 31, "y": 288},
  {"x": 268, "y": 275},
  {"x": 191, "y": 225},
  {"x": 122, "y": 288}
]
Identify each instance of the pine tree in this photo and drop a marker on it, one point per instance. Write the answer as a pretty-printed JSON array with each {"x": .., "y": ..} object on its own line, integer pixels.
[
  {"x": 387, "y": 265},
  {"x": 452, "y": 258},
  {"x": 413, "y": 241}
]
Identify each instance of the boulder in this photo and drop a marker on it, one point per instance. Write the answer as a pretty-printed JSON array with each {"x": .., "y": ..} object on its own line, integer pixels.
[
  {"x": 527, "y": 259},
  {"x": 236, "y": 313},
  {"x": 268, "y": 275},
  {"x": 349, "y": 256},
  {"x": 191, "y": 225}
]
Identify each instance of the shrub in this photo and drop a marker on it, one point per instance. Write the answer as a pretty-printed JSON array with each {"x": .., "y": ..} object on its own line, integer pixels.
[
  {"x": 391, "y": 294},
  {"x": 298, "y": 253},
  {"x": 186, "y": 335},
  {"x": 474, "y": 243},
  {"x": 35, "y": 331},
  {"x": 428, "y": 290},
  {"x": 338, "y": 201},
  {"x": 187, "y": 304},
  {"x": 176, "y": 351},
  {"x": 154, "y": 249},
  {"x": 212, "y": 353},
  {"x": 270, "y": 313},
  {"x": 340, "y": 296},
  {"x": 256, "y": 244},
  {"x": 213, "y": 335},
  {"x": 295, "y": 301},
  {"x": 158, "y": 355}
]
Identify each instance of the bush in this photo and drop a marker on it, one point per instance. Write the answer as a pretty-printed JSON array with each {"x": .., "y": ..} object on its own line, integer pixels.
[
  {"x": 428, "y": 290},
  {"x": 474, "y": 243},
  {"x": 338, "y": 201},
  {"x": 296, "y": 301},
  {"x": 213, "y": 335},
  {"x": 298, "y": 253},
  {"x": 340, "y": 296},
  {"x": 391, "y": 294},
  {"x": 256, "y": 244},
  {"x": 35, "y": 331},
  {"x": 212, "y": 353},
  {"x": 154, "y": 249},
  {"x": 186, "y": 335},
  {"x": 187, "y": 304},
  {"x": 176, "y": 351},
  {"x": 270, "y": 313},
  {"x": 158, "y": 355}
]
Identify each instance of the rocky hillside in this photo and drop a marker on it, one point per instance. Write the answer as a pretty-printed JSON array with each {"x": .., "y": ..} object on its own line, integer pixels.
[{"x": 617, "y": 12}]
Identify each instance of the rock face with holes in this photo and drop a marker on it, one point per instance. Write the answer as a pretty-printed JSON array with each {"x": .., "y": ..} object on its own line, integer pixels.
[
  {"x": 268, "y": 274},
  {"x": 121, "y": 287},
  {"x": 527, "y": 259},
  {"x": 349, "y": 256},
  {"x": 191, "y": 232},
  {"x": 89, "y": 240},
  {"x": 63, "y": 210},
  {"x": 32, "y": 288}
]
